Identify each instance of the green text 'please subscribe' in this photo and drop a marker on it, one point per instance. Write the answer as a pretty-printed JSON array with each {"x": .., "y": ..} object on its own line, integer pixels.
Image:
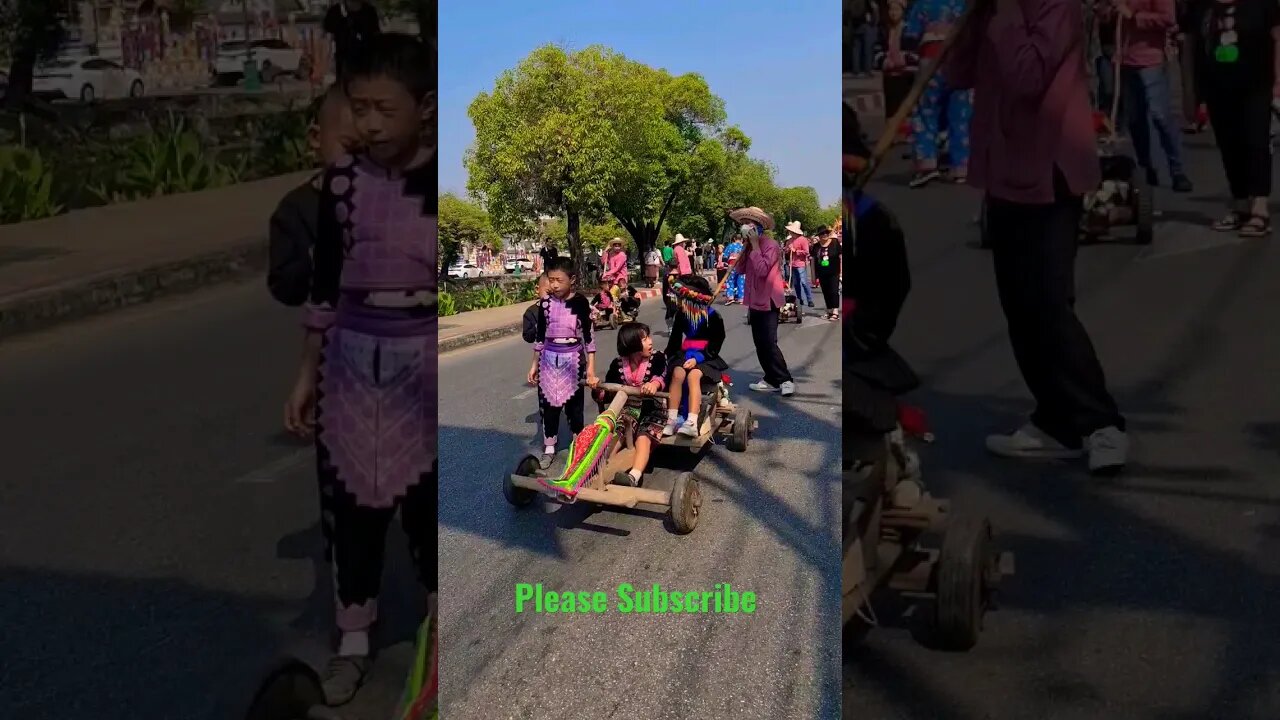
[{"x": 628, "y": 599}]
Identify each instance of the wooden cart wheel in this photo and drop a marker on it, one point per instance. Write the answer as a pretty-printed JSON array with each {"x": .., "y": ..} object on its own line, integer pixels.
[
  {"x": 741, "y": 436},
  {"x": 1144, "y": 208},
  {"x": 686, "y": 502},
  {"x": 519, "y": 496},
  {"x": 963, "y": 564},
  {"x": 289, "y": 692}
]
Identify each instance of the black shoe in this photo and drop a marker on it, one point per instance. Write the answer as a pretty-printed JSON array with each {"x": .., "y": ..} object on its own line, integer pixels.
[
  {"x": 1182, "y": 183},
  {"x": 625, "y": 478}
]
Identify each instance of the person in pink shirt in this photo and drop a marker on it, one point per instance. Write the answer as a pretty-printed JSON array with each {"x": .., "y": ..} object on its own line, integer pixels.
[
  {"x": 615, "y": 271},
  {"x": 798, "y": 272},
  {"x": 761, "y": 267},
  {"x": 1144, "y": 85},
  {"x": 1034, "y": 156},
  {"x": 684, "y": 265}
]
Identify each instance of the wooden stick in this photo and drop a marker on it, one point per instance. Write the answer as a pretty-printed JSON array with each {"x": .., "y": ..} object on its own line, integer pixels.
[{"x": 923, "y": 77}]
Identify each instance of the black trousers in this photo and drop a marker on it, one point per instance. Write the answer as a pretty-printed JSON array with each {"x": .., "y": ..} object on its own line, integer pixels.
[
  {"x": 355, "y": 536},
  {"x": 896, "y": 88},
  {"x": 1034, "y": 249},
  {"x": 1241, "y": 119},
  {"x": 573, "y": 410},
  {"x": 764, "y": 333},
  {"x": 830, "y": 284}
]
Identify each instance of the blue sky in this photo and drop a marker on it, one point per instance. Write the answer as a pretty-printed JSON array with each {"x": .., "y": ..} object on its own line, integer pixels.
[{"x": 786, "y": 51}]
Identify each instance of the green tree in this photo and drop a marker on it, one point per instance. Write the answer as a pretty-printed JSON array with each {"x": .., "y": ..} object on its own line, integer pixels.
[
  {"x": 30, "y": 30},
  {"x": 595, "y": 236},
  {"x": 798, "y": 203},
  {"x": 543, "y": 145},
  {"x": 463, "y": 222}
]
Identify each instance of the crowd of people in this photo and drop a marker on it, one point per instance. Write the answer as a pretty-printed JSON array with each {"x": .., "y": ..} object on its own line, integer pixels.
[{"x": 1225, "y": 54}]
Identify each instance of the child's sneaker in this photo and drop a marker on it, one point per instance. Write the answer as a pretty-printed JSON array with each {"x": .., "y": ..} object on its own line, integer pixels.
[
  {"x": 625, "y": 477},
  {"x": 787, "y": 388},
  {"x": 762, "y": 386},
  {"x": 669, "y": 429},
  {"x": 689, "y": 429},
  {"x": 548, "y": 457}
]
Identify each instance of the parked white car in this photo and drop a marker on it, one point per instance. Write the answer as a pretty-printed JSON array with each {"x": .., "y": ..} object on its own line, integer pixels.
[
  {"x": 274, "y": 57},
  {"x": 86, "y": 79},
  {"x": 465, "y": 270},
  {"x": 525, "y": 265}
]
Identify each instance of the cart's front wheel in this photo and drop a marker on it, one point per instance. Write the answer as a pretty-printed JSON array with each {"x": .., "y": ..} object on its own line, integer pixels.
[
  {"x": 288, "y": 693},
  {"x": 741, "y": 436},
  {"x": 964, "y": 564},
  {"x": 518, "y": 496},
  {"x": 686, "y": 503}
]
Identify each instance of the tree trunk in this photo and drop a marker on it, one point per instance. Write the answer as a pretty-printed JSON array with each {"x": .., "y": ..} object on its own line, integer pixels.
[
  {"x": 21, "y": 73},
  {"x": 573, "y": 226}
]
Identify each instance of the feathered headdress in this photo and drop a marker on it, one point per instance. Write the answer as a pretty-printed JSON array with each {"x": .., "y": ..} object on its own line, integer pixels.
[{"x": 693, "y": 301}]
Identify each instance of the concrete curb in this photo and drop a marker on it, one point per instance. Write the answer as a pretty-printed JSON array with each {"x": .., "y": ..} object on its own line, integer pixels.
[
  {"x": 44, "y": 309},
  {"x": 482, "y": 336}
]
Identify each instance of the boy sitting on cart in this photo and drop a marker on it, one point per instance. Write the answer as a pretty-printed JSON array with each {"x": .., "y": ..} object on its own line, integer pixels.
[
  {"x": 602, "y": 303},
  {"x": 638, "y": 366}
]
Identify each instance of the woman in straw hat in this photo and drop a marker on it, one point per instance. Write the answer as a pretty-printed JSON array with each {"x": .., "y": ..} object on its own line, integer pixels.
[
  {"x": 680, "y": 252},
  {"x": 615, "y": 267},
  {"x": 761, "y": 267},
  {"x": 1034, "y": 156}
]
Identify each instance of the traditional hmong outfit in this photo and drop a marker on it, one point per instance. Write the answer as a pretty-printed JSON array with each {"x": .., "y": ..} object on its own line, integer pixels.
[
  {"x": 373, "y": 295},
  {"x": 699, "y": 339},
  {"x": 927, "y": 25},
  {"x": 562, "y": 342},
  {"x": 735, "y": 286},
  {"x": 646, "y": 412}
]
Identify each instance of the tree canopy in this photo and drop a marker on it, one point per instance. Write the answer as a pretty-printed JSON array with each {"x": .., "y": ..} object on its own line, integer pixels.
[
  {"x": 602, "y": 140},
  {"x": 463, "y": 222}
]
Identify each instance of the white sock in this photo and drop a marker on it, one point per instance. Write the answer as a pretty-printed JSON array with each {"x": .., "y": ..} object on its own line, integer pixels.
[
  {"x": 354, "y": 644},
  {"x": 672, "y": 415},
  {"x": 635, "y": 473},
  {"x": 692, "y": 419}
]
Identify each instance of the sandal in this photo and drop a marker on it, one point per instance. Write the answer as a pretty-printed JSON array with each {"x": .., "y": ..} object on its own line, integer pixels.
[
  {"x": 1230, "y": 222},
  {"x": 1256, "y": 226}
]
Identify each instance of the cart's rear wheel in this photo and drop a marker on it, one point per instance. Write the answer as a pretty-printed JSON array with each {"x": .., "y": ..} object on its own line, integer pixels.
[
  {"x": 686, "y": 503},
  {"x": 289, "y": 691},
  {"x": 518, "y": 496},
  {"x": 741, "y": 436},
  {"x": 1144, "y": 209},
  {"x": 963, "y": 567}
]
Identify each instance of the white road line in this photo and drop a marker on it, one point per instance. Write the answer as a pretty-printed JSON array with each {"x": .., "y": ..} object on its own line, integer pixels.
[
  {"x": 525, "y": 394},
  {"x": 271, "y": 472}
]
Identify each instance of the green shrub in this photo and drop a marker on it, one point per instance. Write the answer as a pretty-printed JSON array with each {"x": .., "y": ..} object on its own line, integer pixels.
[
  {"x": 448, "y": 305},
  {"x": 26, "y": 186},
  {"x": 169, "y": 160}
]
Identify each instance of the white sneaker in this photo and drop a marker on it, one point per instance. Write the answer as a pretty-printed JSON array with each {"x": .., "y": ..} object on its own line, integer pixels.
[
  {"x": 788, "y": 388},
  {"x": 762, "y": 386},
  {"x": 688, "y": 429},
  {"x": 1108, "y": 450},
  {"x": 669, "y": 429},
  {"x": 1030, "y": 441}
]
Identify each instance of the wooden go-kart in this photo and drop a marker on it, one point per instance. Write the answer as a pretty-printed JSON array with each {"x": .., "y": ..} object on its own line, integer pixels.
[
  {"x": 1123, "y": 199},
  {"x": 720, "y": 418},
  {"x": 888, "y": 514}
]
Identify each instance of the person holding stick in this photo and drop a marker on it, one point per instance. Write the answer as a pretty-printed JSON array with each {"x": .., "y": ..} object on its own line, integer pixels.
[{"x": 1034, "y": 156}]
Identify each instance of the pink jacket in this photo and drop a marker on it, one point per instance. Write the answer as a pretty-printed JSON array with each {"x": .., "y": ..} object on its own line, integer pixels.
[
  {"x": 616, "y": 268},
  {"x": 763, "y": 276},
  {"x": 1031, "y": 107},
  {"x": 683, "y": 266},
  {"x": 1144, "y": 35}
]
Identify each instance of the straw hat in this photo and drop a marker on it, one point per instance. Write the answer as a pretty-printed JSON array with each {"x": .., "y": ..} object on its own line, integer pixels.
[
  {"x": 752, "y": 214},
  {"x": 793, "y": 227},
  {"x": 617, "y": 242},
  {"x": 679, "y": 239}
]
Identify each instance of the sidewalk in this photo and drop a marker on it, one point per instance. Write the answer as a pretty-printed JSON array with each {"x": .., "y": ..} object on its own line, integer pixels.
[
  {"x": 90, "y": 261},
  {"x": 477, "y": 326}
]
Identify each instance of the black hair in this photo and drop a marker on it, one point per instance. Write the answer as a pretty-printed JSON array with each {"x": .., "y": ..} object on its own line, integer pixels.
[
  {"x": 695, "y": 282},
  {"x": 631, "y": 338},
  {"x": 402, "y": 58},
  {"x": 822, "y": 230},
  {"x": 564, "y": 265},
  {"x": 333, "y": 93}
]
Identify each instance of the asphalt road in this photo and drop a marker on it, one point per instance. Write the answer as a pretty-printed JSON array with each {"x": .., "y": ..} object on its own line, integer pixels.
[
  {"x": 1149, "y": 596},
  {"x": 768, "y": 525},
  {"x": 159, "y": 537}
]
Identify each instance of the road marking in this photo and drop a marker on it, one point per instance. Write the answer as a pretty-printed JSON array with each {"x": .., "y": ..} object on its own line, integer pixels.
[
  {"x": 272, "y": 471},
  {"x": 525, "y": 394}
]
